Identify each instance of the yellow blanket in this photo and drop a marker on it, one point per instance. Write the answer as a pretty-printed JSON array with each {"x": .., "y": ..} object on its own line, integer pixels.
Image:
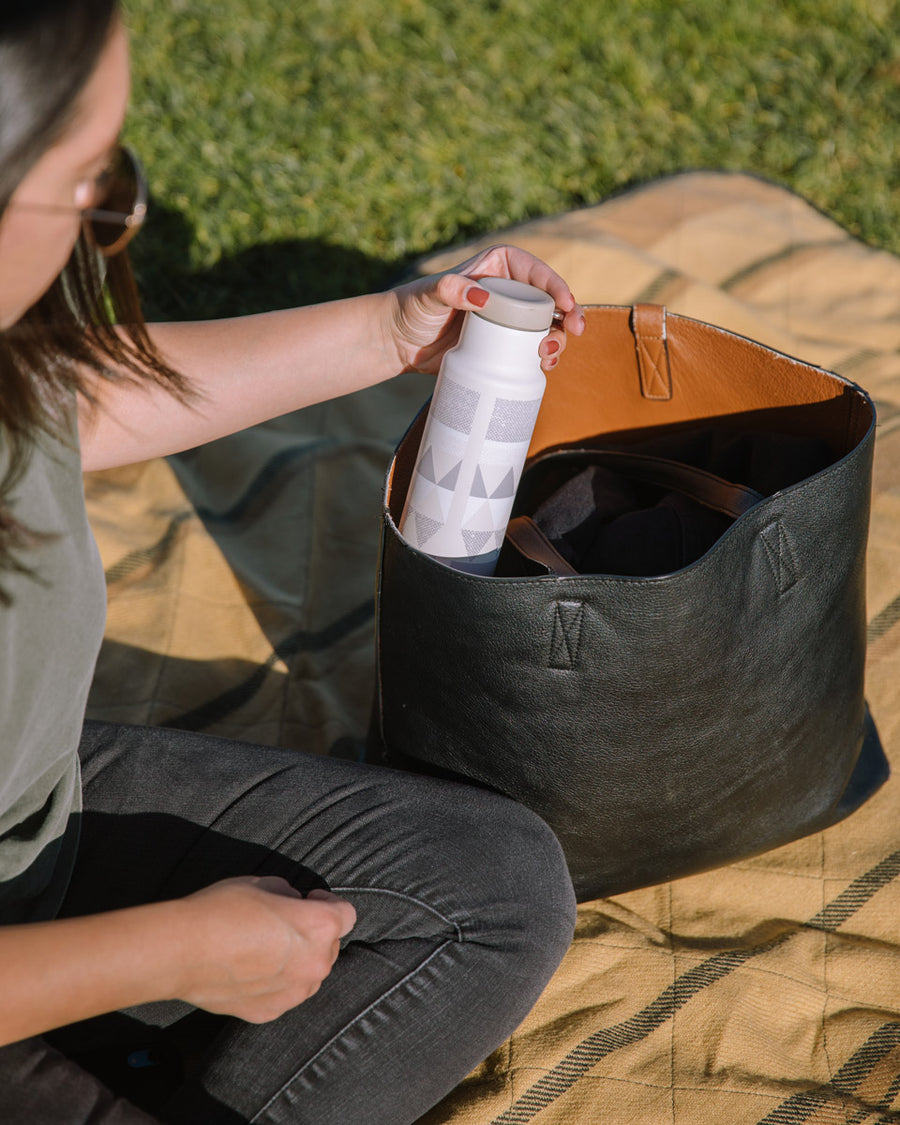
[{"x": 241, "y": 586}]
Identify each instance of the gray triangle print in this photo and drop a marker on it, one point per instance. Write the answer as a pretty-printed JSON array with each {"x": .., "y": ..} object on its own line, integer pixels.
[
  {"x": 426, "y": 466},
  {"x": 478, "y": 485},
  {"x": 475, "y": 541},
  {"x": 505, "y": 488},
  {"x": 449, "y": 481},
  {"x": 426, "y": 527}
]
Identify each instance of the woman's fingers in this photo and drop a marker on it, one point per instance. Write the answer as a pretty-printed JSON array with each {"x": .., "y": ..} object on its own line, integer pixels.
[
  {"x": 345, "y": 912},
  {"x": 457, "y": 290},
  {"x": 519, "y": 264},
  {"x": 256, "y": 947},
  {"x": 424, "y": 321},
  {"x": 552, "y": 347}
]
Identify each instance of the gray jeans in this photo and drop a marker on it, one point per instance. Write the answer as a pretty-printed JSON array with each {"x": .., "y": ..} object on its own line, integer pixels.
[{"x": 464, "y": 910}]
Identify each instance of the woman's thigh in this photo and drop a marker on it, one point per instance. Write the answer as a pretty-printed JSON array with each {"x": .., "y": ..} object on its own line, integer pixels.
[{"x": 463, "y": 904}]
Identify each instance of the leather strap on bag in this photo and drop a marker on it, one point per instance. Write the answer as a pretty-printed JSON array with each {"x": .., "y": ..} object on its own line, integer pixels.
[
  {"x": 648, "y": 323},
  {"x": 532, "y": 543},
  {"x": 705, "y": 488}
]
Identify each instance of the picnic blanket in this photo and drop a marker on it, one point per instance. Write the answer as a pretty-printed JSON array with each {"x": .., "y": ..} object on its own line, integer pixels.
[{"x": 241, "y": 580}]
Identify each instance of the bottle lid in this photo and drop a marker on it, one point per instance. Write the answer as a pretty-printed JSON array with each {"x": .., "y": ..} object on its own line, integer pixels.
[{"x": 516, "y": 305}]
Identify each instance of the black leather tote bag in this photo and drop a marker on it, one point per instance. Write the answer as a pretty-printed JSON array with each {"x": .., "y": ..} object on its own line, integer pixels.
[{"x": 686, "y": 686}]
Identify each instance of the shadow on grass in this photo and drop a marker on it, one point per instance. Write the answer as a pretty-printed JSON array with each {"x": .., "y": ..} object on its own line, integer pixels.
[{"x": 267, "y": 276}]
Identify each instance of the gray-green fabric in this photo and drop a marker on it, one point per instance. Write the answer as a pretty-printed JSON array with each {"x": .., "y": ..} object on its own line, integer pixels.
[{"x": 49, "y": 639}]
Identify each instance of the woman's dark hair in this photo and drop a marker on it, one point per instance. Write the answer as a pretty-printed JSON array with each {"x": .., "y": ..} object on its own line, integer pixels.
[{"x": 48, "y": 52}]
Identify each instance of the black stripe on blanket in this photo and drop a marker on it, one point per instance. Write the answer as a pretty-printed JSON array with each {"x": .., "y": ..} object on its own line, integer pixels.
[
  {"x": 603, "y": 1042},
  {"x": 883, "y": 622},
  {"x": 302, "y": 640},
  {"x": 839, "y": 1092}
]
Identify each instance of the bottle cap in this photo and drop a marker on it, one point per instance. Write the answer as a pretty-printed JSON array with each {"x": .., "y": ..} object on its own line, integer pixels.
[{"x": 516, "y": 305}]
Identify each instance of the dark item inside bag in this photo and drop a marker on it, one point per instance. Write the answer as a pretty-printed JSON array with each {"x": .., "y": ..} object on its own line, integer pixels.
[
  {"x": 636, "y": 512},
  {"x": 694, "y": 693}
]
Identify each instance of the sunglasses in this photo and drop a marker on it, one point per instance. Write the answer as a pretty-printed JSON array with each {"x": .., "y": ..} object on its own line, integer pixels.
[
  {"x": 121, "y": 207},
  {"x": 122, "y": 204}
]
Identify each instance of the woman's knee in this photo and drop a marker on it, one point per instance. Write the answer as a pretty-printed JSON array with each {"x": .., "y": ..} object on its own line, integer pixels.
[
  {"x": 502, "y": 864},
  {"x": 531, "y": 877}
]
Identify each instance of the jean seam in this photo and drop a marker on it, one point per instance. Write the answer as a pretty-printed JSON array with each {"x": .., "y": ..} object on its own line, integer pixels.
[
  {"x": 325, "y": 1046},
  {"x": 407, "y": 898}
]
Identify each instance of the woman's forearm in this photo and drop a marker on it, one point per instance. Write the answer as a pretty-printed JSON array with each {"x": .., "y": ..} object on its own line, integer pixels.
[
  {"x": 243, "y": 370},
  {"x": 248, "y": 369},
  {"x": 54, "y": 973},
  {"x": 250, "y": 947}
]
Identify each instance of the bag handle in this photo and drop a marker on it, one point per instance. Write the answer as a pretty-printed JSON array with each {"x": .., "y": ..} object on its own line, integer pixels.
[
  {"x": 705, "y": 488},
  {"x": 528, "y": 539}
]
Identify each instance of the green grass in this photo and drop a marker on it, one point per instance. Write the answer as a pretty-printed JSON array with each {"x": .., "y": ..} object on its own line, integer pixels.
[{"x": 305, "y": 150}]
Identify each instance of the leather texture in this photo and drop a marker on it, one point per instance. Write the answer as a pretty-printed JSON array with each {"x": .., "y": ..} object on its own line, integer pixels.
[{"x": 660, "y": 725}]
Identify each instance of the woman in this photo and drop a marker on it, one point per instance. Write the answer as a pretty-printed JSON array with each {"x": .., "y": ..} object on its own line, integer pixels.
[{"x": 181, "y": 881}]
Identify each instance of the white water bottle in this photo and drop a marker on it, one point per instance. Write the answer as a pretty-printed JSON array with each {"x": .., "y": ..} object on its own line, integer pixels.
[{"x": 478, "y": 429}]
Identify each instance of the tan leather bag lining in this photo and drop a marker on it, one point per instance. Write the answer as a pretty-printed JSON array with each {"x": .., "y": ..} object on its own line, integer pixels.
[{"x": 636, "y": 370}]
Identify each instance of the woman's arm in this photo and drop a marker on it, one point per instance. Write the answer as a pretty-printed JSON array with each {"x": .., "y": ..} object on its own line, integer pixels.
[
  {"x": 247, "y": 947},
  {"x": 242, "y": 370},
  {"x": 248, "y": 369}
]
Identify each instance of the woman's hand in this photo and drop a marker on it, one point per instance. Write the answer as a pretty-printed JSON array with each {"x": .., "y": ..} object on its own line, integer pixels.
[
  {"x": 253, "y": 947},
  {"x": 248, "y": 947},
  {"x": 426, "y": 316}
]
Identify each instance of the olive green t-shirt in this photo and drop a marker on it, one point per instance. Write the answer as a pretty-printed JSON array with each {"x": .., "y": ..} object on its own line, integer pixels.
[{"x": 49, "y": 638}]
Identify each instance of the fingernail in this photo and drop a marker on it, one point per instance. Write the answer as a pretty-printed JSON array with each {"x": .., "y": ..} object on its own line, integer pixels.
[
  {"x": 477, "y": 297},
  {"x": 552, "y": 361},
  {"x": 552, "y": 347}
]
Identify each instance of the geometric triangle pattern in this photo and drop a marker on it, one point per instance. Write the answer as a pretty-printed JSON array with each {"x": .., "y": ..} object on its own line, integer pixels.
[
  {"x": 485, "y": 514},
  {"x": 478, "y": 486},
  {"x": 426, "y": 466},
  {"x": 436, "y": 464},
  {"x": 498, "y": 479},
  {"x": 506, "y": 488},
  {"x": 475, "y": 541},
  {"x": 484, "y": 524},
  {"x": 432, "y": 505},
  {"x": 425, "y": 527},
  {"x": 449, "y": 480},
  {"x": 434, "y": 502}
]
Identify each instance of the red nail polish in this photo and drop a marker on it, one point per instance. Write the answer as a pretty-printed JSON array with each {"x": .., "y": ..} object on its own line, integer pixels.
[
  {"x": 552, "y": 347},
  {"x": 477, "y": 297}
]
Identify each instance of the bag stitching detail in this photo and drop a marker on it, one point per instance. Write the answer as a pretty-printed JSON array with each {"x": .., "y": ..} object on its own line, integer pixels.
[
  {"x": 565, "y": 641},
  {"x": 655, "y": 384},
  {"x": 780, "y": 555}
]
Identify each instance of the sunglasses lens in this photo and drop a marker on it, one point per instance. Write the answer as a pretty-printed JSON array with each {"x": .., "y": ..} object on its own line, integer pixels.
[{"x": 119, "y": 197}]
